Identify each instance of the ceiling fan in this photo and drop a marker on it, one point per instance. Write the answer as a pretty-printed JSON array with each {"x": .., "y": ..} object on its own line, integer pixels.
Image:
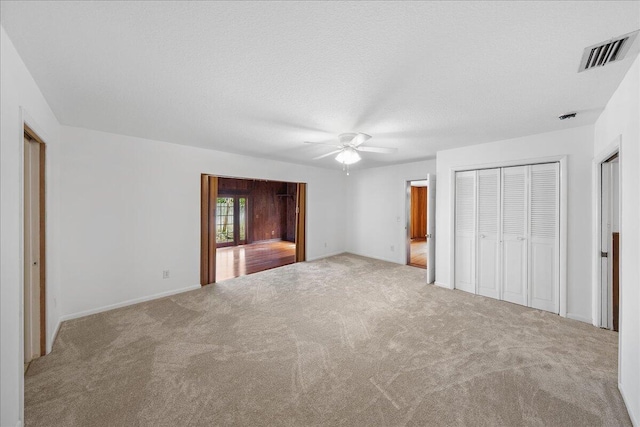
[{"x": 349, "y": 145}]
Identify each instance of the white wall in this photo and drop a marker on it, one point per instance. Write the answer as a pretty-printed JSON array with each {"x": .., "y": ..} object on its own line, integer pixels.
[
  {"x": 18, "y": 90},
  {"x": 575, "y": 143},
  {"x": 130, "y": 208},
  {"x": 376, "y": 209},
  {"x": 622, "y": 117}
]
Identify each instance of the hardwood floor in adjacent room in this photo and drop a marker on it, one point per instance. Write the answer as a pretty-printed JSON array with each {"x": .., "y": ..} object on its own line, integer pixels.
[
  {"x": 418, "y": 253},
  {"x": 235, "y": 261}
]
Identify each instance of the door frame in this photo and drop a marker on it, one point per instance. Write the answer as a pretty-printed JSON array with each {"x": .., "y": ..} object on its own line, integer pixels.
[
  {"x": 208, "y": 198},
  {"x": 563, "y": 175},
  {"x": 301, "y": 222},
  {"x": 25, "y": 119},
  {"x": 614, "y": 147},
  {"x": 408, "y": 217},
  {"x": 33, "y": 136},
  {"x": 28, "y": 128},
  {"x": 208, "y": 217}
]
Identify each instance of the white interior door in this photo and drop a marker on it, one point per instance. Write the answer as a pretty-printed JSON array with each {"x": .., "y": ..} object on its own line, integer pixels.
[
  {"x": 544, "y": 250},
  {"x": 488, "y": 248},
  {"x": 431, "y": 228},
  {"x": 31, "y": 250},
  {"x": 465, "y": 228},
  {"x": 514, "y": 234}
]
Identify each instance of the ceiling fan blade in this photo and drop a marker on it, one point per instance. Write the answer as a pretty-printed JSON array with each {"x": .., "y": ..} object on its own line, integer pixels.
[
  {"x": 331, "y": 144},
  {"x": 360, "y": 138},
  {"x": 327, "y": 155},
  {"x": 378, "y": 150}
]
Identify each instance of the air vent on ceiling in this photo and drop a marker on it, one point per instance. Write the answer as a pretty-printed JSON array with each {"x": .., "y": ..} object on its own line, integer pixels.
[{"x": 612, "y": 50}]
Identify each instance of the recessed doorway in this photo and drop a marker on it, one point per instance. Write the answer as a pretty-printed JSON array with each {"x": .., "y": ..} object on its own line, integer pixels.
[
  {"x": 250, "y": 225},
  {"x": 420, "y": 226},
  {"x": 610, "y": 241},
  {"x": 417, "y": 256},
  {"x": 34, "y": 292}
]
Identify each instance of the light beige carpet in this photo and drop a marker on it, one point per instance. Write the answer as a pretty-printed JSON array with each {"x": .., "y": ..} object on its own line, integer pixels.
[{"x": 341, "y": 341}]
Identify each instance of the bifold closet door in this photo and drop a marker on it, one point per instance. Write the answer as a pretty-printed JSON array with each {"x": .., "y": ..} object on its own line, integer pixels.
[
  {"x": 488, "y": 247},
  {"x": 544, "y": 284},
  {"x": 514, "y": 234},
  {"x": 465, "y": 221}
]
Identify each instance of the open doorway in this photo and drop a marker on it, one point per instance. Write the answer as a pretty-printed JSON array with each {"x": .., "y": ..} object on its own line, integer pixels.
[
  {"x": 417, "y": 253},
  {"x": 34, "y": 310},
  {"x": 610, "y": 241},
  {"x": 420, "y": 227},
  {"x": 250, "y": 225}
]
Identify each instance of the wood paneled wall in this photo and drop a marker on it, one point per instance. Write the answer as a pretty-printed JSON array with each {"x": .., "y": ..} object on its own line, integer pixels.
[
  {"x": 301, "y": 222},
  {"x": 267, "y": 210},
  {"x": 418, "y": 212},
  {"x": 271, "y": 210},
  {"x": 290, "y": 230},
  {"x": 235, "y": 186}
]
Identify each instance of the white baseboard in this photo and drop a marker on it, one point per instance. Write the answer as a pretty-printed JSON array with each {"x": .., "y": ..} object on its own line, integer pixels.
[
  {"x": 579, "y": 318},
  {"x": 634, "y": 419},
  {"x": 53, "y": 337},
  {"x": 126, "y": 303},
  {"x": 326, "y": 255},
  {"x": 442, "y": 285},
  {"x": 375, "y": 257}
]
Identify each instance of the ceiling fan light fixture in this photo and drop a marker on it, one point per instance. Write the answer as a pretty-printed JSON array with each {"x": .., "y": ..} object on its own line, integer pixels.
[{"x": 348, "y": 156}]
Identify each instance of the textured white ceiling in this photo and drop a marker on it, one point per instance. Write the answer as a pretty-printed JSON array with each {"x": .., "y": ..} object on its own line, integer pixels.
[{"x": 260, "y": 78}]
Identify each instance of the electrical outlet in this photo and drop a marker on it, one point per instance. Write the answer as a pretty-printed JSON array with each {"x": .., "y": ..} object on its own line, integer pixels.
[
  {"x": 393, "y": 248},
  {"x": 165, "y": 274}
]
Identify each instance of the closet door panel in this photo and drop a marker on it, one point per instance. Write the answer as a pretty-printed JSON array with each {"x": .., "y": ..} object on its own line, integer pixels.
[
  {"x": 544, "y": 237},
  {"x": 514, "y": 271},
  {"x": 464, "y": 264},
  {"x": 542, "y": 279},
  {"x": 465, "y": 227},
  {"x": 488, "y": 248},
  {"x": 514, "y": 234}
]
